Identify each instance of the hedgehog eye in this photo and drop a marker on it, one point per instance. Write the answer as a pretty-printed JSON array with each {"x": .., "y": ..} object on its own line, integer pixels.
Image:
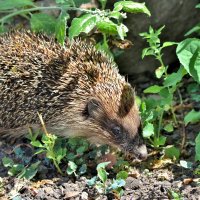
[{"x": 116, "y": 131}]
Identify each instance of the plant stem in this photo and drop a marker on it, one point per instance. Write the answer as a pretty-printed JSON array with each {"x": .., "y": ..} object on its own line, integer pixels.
[
  {"x": 57, "y": 166},
  {"x": 160, "y": 123},
  {"x": 159, "y": 57},
  {"x": 3, "y": 19}
]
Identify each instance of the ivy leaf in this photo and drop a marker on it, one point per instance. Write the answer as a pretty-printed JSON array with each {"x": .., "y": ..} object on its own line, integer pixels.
[
  {"x": 132, "y": 7},
  {"x": 43, "y": 22},
  {"x": 85, "y": 24},
  {"x": 12, "y": 4},
  {"x": 7, "y": 162},
  {"x": 71, "y": 168}
]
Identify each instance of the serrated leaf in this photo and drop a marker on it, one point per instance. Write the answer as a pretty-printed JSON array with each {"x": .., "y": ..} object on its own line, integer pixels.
[
  {"x": 61, "y": 26},
  {"x": 153, "y": 89},
  {"x": 175, "y": 77},
  {"x": 41, "y": 22},
  {"x": 132, "y": 7},
  {"x": 13, "y": 4},
  {"x": 148, "y": 130},
  {"x": 85, "y": 24},
  {"x": 192, "y": 117},
  {"x": 188, "y": 52},
  {"x": 197, "y": 147},
  {"x": 107, "y": 26}
]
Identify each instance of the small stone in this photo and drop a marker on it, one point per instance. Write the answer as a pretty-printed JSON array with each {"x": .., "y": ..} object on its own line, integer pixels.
[{"x": 84, "y": 196}]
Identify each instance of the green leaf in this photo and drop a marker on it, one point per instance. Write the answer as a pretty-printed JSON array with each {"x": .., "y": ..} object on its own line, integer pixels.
[
  {"x": 107, "y": 26},
  {"x": 102, "y": 165},
  {"x": 197, "y": 147},
  {"x": 122, "y": 175},
  {"x": 41, "y": 22},
  {"x": 160, "y": 141},
  {"x": 13, "y": 4},
  {"x": 37, "y": 143},
  {"x": 30, "y": 172},
  {"x": 81, "y": 150},
  {"x": 118, "y": 184},
  {"x": 188, "y": 52},
  {"x": 195, "y": 29},
  {"x": 103, "y": 4},
  {"x": 153, "y": 89},
  {"x": 85, "y": 24},
  {"x": 71, "y": 168},
  {"x": 168, "y": 44},
  {"x": 132, "y": 7},
  {"x": 169, "y": 127},
  {"x": 172, "y": 152},
  {"x": 186, "y": 164},
  {"x": 7, "y": 162},
  {"x": 102, "y": 174},
  {"x": 16, "y": 168},
  {"x": 160, "y": 71},
  {"x": 92, "y": 181},
  {"x": 61, "y": 26},
  {"x": 175, "y": 77},
  {"x": 122, "y": 30},
  {"x": 148, "y": 130},
  {"x": 192, "y": 117},
  {"x": 117, "y": 15},
  {"x": 83, "y": 169}
]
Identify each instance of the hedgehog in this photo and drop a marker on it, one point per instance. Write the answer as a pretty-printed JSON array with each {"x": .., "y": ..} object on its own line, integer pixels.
[{"x": 77, "y": 89}]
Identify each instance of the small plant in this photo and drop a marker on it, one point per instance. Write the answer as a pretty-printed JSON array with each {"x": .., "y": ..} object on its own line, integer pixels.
[
  {"x": 153, "y": 109},
  {"x": 175, "y": 195},
  {"x": 107, "y": 22},
  {"x": 20, "y": 170},
  {"x": 105, "y": 185}
]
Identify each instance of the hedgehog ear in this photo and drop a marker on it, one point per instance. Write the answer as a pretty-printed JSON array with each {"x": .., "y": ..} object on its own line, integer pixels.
[
  {"x": 94, "y": 108},
  {"x": 127, "y": 101}
]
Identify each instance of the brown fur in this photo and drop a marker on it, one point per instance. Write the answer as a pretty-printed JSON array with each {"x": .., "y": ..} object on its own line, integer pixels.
[{"x": 77, "y": 89}]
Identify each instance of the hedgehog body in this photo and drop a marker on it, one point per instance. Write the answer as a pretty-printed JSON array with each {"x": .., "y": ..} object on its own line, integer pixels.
[{"x": 77, "y": 90}]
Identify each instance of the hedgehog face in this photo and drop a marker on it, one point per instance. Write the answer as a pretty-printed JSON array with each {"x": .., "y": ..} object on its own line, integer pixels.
[{"x": 120, "y": 124}]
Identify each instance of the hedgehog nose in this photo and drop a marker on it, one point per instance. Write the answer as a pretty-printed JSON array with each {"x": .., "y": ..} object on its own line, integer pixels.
[{"x": 142, "y": 152}]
